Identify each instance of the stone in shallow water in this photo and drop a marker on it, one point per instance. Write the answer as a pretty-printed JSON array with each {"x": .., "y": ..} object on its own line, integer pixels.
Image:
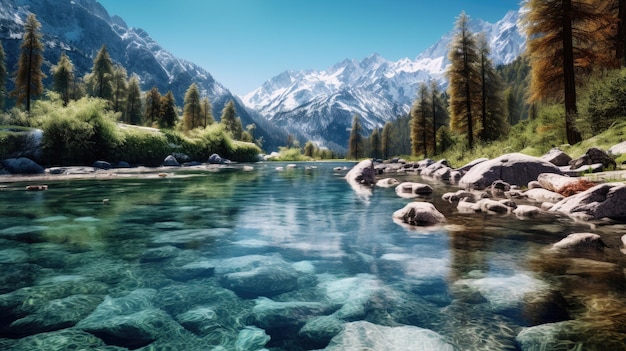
[
  {"x": 159, "y": 254},
  {"x": 13, "y": 256},
  {"x": 271, "y": 314},
  {"x": 367, "y": 336},
  {"x": 321, "y": 329},
  {"x": 56, "y": 314},
  {"x": 251, "y": 339},
  {"x": 66, "y": 339},
  {"x": 570, "y": 335}
]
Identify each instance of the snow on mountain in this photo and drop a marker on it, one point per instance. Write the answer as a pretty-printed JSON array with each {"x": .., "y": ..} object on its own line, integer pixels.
[
  {"x": 320, "y": 104},
  {"x": 81, "y": 27}
]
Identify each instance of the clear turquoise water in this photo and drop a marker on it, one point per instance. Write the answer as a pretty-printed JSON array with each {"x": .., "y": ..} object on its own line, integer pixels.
[{"x": 164, "y": 250}]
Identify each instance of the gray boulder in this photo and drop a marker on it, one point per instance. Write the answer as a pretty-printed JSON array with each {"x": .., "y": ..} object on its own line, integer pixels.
[
  {"x": 471, "y": 164},
  {"x": 387, "y": 183},
  {"x": 556, "y": 157},
  {"x": 22, "y": 165},
  {"x": 602, "y": 201},
  {"x": 363, "y": 174},
  {"x": 555, "y": 182},
  {"x": 618, "y": 149},
  {"x": 412, "y": 190},
  {"x": 430, "y": 170},
  {"x": 515, "y": 169},
  {"x": 102, "y": 165},
  {"x": 215, "y": 159},
  {"x": 170, "y": 161},
  {"x": 273, "y": 314},
  {"x": 543, "y": 195},
  {"x": 580, "y": 242},
  {"x": 591, "y": 157},
  {"x": 419, "y": 214}
]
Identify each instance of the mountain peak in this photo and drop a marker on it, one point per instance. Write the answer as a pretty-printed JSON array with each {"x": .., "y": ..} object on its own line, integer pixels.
[{"x": 321, "y": 103}]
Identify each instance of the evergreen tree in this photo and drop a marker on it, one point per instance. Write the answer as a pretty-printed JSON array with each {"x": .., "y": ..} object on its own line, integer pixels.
[
  {"x": 561, "y": 38},
  {"x": 63, "y": 78},
  {"x": 355, "y": 143},
  {"x": 3, "y": 76},
  {"x": 191, "y": 110},
  {"x": 100, "y": 79},
  {"x": 438, "y": 111},
  {"x": 309, "y": 149},
  {"x": 231, "y": 122},
  {"x": 421, "y": 122},
  {"x": 133, "y": 102},
  {"x": 168, "y": 116},
  {"x": 119, "y": 84},
  {"x": 375, "y": 144},
  {"x": 207, "y": 112},
  {"x": 464, "y": 80},
  {"x": 248, "y": 134},
  {"x": 28, "y": 78},
  {"x": 492, "y": 112},
  {"x": 385, "y": 142},
  {"x": 152, "y": 114}
]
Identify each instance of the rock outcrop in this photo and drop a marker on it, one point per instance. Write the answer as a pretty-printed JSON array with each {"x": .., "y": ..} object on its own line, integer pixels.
[
  {"x": 602, "y": 201},
  {"x": 419, "y": 214},
  {"x": 515, "y": 169}
]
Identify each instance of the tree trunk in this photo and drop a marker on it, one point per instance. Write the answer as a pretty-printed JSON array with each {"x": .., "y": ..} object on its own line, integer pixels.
[
  {"x": 569, "y": 80},
  {"x": 468, "y": 102}
]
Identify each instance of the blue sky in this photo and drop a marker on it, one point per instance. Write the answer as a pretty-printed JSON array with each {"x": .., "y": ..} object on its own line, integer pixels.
[{"x": 243, "y": 43}]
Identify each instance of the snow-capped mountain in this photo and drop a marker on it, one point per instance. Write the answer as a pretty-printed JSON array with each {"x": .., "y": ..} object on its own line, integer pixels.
[
  {"x": 81, "y": 27},
  {"x": 320, "y": 104}
]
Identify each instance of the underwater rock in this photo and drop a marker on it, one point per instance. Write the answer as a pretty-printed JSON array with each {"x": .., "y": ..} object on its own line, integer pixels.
[
  {"x": 66, "y": 339},
  {"x": 251, "y": 339},
  {"x": 183, "y": 238},
  {"x": 13, "y": 256},
  {"x": 419, "y": 214},
  {"x": 269, "y": 314},
  {"x": 367, "y": 336},
  {"x": 25, "y": 233},
  {"x": 570, "y": 335},
  {"x": 55, "y": 315},
  {"x": 321, "y": 329},
  {"x": 580, "y": 242},
  {"x": 515, "y": 169},
  {"x": 159, "y": 254},
  {"x": 411, "y": 190},
  {"x": 527, "y": 211},
  {"x": 257, "y": 275},
  {"x": 352, "y": 294},
  {"x": 606, "y": 200}
]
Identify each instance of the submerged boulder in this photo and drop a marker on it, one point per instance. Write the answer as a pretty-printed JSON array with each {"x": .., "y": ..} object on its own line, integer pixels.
[
  {"x": 580, "y": 242},
  {"x": 602, "y": 201},
  {"x": 515, "y": 169},
  {"x": 419, "y": 214},
  {"x": 364, "y": 335},
  {"x": 412, "y": 190}
]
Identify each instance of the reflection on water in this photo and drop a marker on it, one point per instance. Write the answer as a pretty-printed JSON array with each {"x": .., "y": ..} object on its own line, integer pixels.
[{"x": 292, "y": 260}]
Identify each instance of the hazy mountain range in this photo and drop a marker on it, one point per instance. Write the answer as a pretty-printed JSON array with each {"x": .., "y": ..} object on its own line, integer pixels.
[{"x": 312, "y": 105}]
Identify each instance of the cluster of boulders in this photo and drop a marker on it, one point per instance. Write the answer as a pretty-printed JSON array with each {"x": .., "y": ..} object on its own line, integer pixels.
[{"x": 24, "y": 165}]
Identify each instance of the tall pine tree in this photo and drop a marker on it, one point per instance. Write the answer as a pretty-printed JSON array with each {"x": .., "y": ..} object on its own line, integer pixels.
[
  {"x": 99, "y": 81},
  {"x": 152, "y": 113},
  {"x": 119, "y": 85},
  {"x": 207, "y": 111},
  {"x": 421, "y": 122},
  {"x": 385, "y": 140},
  {"x": 133, "y": 102},
  {"x": 493, "y": 110},
  {"x": 561, "y": 36},
  {"x": 28, "y": 78},
  {"x": 191, "y": 110},
  {"x": 169, "y": 116},
  {"x": 232, "y": 124},
  {"x": 63, "y": 78},
  {"x": 355, "y": 143},
  {"x": 464, "y": 80},
  {"x": 3, "y": 76}
]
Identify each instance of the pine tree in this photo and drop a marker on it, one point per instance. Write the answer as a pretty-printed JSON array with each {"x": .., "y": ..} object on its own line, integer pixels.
[
  {"x": 437, "y": 111},
  {"x": 152, "y": 113},
  {"x": 3, "y": 76},
  {"x": 492, "y": 112},
  {"x": 355, "y": 143},
  {"x": 119, "y": 84},
  {"x": 133, "y": 102},
  {"x": 206, "y": 112},
  {"x": 385, "y": 140},
  {"x": 191, "y": 109},
  {"x": 464, "y": 80},
  {"x": 375, "y": 144},
  {"x": 99, "y": 81},
  {"x": 561, "y": 38},
  {"x": 231, "y": 122},
  {"x": 168, "y": 111},
  {"x": 63, "y": 78},
  {"x": 28, "y": 77},
  {"x": 421, "y": 122},
  {"x": 309, "y": 149}
]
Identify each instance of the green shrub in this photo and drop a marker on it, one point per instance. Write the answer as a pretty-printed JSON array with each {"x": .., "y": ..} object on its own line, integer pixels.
[
  {"x": 142, "y": 147},
  {"x": 603, "y": 102},
  {"x": 81, "y": 133}
]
